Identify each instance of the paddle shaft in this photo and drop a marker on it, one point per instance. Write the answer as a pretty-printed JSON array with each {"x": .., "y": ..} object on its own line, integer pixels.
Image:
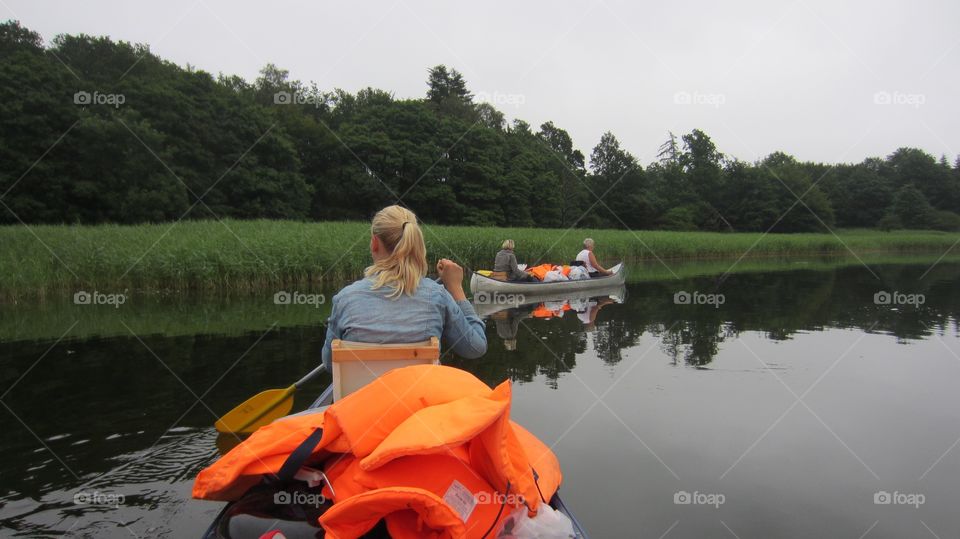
[{"x": 320, "y": 368}]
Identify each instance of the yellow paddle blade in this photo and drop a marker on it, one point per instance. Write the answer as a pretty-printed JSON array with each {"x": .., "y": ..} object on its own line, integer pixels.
[
  {"x": 258, "y": 410},
  {"x": 227, "y": 441}
]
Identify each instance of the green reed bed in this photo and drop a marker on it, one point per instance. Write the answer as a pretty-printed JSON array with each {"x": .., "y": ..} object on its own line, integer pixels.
[
  {"x": 244, "y": 255},
  {"x": 237, "y": 312}
]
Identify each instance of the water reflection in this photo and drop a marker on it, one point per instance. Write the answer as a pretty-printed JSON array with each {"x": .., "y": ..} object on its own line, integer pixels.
[
  {"x": 585, "y": 305},
  {"x": 121, "y": 414},
  {"x": 540, "y": 335},
  {"x": 783, "y": 304},
  {"x": 549, "y": 337}
]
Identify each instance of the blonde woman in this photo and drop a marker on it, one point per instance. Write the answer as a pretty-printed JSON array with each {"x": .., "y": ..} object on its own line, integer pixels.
[
  {"x": 396, "y": 303},
  {"x": 506, "y": 262}
]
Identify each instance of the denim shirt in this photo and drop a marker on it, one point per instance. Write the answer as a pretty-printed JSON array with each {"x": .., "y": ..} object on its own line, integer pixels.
[{"x": 362, "y": 314}]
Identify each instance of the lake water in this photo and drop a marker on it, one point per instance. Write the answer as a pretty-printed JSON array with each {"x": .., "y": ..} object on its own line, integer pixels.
[{"x": 790, "y": 400}]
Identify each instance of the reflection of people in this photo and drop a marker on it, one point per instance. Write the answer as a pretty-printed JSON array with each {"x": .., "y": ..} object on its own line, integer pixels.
[
  {"x": 506, "y": 262},
  {"x": 587, "y": 311},
  {"x": 590, "y": 261},
  {"x": 508, "y": 323},
  {"x": 396, "y": 303}
]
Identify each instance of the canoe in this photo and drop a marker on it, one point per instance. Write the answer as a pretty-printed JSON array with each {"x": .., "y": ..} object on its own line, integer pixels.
[
  {"x": 255, "y": 512},
  {"x": 480, "y": 284}
]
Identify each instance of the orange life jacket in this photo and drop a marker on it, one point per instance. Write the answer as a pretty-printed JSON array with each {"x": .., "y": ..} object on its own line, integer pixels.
[
  {"x": 540, "y": 271},
  {"x": 543, "y": 312},
  {"x": 403, "y": 441},
  {"x": 451, "y": 500}
]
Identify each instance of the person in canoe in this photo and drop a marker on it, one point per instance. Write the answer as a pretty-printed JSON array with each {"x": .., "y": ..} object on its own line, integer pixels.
[
  {"x": 589, "y": 261},
  {"x": 396, "y": 303},
  {"x": 506, "y": 262}
]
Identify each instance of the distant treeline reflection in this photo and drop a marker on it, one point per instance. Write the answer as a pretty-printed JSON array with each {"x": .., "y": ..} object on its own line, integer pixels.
[{"x": 779, "y": 305}]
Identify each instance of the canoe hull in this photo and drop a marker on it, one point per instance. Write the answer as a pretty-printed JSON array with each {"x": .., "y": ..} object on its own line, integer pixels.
[{"x": 480, "y": 284}]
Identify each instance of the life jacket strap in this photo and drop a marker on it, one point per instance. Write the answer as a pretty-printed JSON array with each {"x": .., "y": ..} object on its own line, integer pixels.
[
  {"x": 536, "y": 481},
  {"x": 499, "y": 513},
  {"x": 298, "y": 457}
]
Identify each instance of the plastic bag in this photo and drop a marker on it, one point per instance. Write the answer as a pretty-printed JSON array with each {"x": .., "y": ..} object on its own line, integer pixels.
[
  {"x": 547, "y": 524},
  {"x": 553, "y": 276},
  {"x": 578, "y": 273}
]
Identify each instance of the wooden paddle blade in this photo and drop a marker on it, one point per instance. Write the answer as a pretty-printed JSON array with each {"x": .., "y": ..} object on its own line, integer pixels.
[{"x": 257, "y": 411}]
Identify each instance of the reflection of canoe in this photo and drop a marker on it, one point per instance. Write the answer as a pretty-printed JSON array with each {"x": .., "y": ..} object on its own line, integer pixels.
[
  {"x": 256, "y": 512},
  {"x": 479, "y": 283},
  {"x": 489, "y": 306}
]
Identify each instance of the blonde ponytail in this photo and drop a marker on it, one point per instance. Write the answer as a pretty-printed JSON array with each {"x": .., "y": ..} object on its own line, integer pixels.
[{"x": 397, "y": 229}]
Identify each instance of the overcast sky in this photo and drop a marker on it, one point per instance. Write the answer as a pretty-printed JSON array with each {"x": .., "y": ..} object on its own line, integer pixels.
[{"x": 823, "y": 81}]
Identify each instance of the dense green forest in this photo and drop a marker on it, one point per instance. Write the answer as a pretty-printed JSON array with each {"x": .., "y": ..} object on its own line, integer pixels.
[{"x": 97, "y": 131}]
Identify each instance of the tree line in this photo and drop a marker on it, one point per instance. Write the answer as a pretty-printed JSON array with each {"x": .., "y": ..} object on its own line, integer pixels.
[{"x": 97, "y": 131}]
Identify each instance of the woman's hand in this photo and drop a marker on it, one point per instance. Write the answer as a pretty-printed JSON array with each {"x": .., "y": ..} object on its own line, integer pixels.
[{"x": 452, "y": 276}]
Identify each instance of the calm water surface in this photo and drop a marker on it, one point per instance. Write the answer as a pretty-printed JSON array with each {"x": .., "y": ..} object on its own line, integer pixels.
[{"x": 788, "y": 410}]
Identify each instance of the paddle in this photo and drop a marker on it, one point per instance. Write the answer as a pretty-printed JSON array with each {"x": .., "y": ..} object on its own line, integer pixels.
[{"x": 262, "y": 408}]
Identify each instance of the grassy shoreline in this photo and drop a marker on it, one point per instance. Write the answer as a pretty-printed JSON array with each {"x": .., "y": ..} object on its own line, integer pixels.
[
  {"x": 250, "y": 255},
  {"x": 217, "y": 312}
]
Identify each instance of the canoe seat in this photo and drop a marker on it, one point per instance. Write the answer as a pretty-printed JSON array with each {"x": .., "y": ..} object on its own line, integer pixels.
[
  {"x": 356, "y": 364},
  {"x": 498, "y": 275}
]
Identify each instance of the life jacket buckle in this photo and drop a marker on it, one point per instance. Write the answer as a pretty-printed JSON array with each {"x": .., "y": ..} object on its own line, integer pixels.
[{"x": 314, "y": 477}]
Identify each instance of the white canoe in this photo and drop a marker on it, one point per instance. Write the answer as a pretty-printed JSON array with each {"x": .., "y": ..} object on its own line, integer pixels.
[{"x": 479, "y": 283}]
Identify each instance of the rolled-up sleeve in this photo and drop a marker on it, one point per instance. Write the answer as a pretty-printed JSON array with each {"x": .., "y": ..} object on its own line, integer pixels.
[{"x": 463, "y": 329}]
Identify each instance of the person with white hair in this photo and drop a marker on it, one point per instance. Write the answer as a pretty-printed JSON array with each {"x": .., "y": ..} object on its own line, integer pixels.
[
  {"x": 506, "y": 262},
  {"x": 589, "y": 261}
]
